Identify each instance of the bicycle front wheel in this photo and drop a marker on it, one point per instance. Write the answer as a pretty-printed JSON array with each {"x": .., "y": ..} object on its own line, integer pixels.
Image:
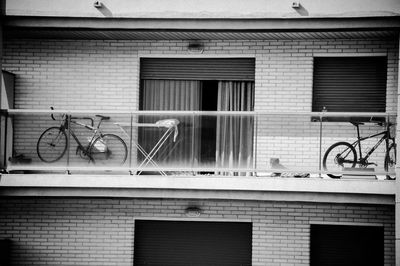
[
  {"x": 52, "y": 145},
  {"x": 108, "y": 149},
  {"x": 339, "y": 156}
]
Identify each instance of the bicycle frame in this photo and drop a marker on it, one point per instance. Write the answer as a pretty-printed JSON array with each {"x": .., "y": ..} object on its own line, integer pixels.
[
  {"x": 385, "y": 137},
  {"x": 96, "y": 132}
]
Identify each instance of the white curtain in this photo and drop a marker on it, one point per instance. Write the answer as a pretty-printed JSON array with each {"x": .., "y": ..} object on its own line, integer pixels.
[
  {"x": 183, "y": 95},
  {"x": 234, "y": 145},
  {"x": 167, "y": 95}
]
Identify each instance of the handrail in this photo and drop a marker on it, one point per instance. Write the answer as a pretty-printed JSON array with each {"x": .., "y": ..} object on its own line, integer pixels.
[{"x": 142, "y": 112}]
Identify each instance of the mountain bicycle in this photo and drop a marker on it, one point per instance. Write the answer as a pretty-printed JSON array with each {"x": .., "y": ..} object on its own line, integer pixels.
[
  {"x": 343, "y": 155},
  {"x": 106, "y": 148}
]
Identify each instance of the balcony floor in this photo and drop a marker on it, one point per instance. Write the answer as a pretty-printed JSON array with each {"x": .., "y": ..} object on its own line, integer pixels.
[{"x": 366, "y": 191}]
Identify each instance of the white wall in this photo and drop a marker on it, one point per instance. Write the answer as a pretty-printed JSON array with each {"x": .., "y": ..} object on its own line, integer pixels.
[{"x": 205, "y": 8}]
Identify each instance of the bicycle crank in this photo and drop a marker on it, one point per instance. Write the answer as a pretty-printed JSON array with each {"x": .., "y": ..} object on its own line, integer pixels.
[{"x": 82, "y": 153}]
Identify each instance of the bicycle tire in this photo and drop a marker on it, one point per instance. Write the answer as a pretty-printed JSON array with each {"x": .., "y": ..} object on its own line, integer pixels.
[
  {"x": 390, "y": 158},
  {"x": 52, "y": 145},
  {"x": 343, "y": 147},
  {"x": 108, "y": 149}
]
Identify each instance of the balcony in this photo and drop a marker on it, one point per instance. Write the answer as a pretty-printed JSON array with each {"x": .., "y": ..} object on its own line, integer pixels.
[
  {"x": 246, "y": 155},
  {"x": 200, "y": 143}
]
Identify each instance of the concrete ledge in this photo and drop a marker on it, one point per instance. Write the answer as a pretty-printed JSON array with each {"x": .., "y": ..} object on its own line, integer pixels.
[
  {"x": 318, "y": 185},
  {"x": 206, "y": 24},
  {"x": 243, "y": 188}
]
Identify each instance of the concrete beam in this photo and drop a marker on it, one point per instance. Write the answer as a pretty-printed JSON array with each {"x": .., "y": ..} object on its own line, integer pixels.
[
  {"x": 240, "y": 24},
  {"x": 237, "y": 188},
  {"x": 198, "y": 194}
]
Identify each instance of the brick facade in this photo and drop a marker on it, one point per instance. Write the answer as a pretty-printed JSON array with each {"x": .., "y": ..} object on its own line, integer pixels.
[
  {"x": 71, "y": 231},
  {"x": 97, "y": 74},
  {"x": 104, "y": 75}
]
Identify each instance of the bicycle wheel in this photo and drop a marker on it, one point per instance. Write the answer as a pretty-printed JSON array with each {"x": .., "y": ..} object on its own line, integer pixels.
[
  {"x": 108, "y": 149},
  {"x": 52, "y": 145},
  {"x": 339, "y": 156},
  {"x": 390, "y": 159}
]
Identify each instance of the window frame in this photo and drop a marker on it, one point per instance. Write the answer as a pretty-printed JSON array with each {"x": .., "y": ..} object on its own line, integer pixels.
[{"x": 318, "y": 88}]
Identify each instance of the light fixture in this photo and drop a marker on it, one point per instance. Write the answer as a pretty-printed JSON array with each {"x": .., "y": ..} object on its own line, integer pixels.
[
  {"x": 97, "y": 4},
  {"x": 296, "y": 4},
  {"x": 193, "y": 211},
  {"x": 195, "y": 47}
]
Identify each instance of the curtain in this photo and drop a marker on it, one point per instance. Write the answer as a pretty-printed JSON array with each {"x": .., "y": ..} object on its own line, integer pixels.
[
  {"x": 234, "y": 144},
  {"x": 166, "y": 95},
  {"x": 178, "y": 95}
]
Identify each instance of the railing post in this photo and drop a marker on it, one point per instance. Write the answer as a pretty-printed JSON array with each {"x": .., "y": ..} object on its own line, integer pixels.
[
  {"x": 68, "y": 142},
  {"x": 321, "y": 116},
  {"x": 193, "y": 141},
  {"x": 130, "y": 142},
  {"x": 3, "y": 139},
  {"x": 255, "y": 134}
]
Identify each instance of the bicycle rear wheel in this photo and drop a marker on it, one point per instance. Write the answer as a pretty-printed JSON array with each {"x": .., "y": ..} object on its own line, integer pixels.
[
  {"x": 52, "y": 145},
  {"x": 108, "y": 149},
  {"x": 338, "y": 156}
]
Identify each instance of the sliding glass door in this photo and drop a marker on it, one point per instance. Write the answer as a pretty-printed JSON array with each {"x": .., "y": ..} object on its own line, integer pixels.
[{"x": 223, "y": 141}]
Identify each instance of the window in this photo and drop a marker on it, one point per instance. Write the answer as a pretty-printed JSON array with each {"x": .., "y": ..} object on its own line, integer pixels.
[
  {"x": 346, "y": 245},
  {"x": 192, "y": 243},
  {"x": 349, "y": 84},
  {"x": 192, "y": 84}
]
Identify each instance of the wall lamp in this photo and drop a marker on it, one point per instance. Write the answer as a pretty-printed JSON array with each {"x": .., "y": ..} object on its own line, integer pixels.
[
  {"x": 97, "y": 4},
  {"x": 195, "y": 47},
  {"x": 193, "y": 212},
  {"x": 296, "y": 4}
]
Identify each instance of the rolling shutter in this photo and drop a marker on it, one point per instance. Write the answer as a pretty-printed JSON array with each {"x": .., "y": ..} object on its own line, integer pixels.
[
  {"x": 192, "y": 243},
  {"x": 346, "y": 245},
  {"x": 198, "y": 68},
  {"x": 350, "y": 84}
]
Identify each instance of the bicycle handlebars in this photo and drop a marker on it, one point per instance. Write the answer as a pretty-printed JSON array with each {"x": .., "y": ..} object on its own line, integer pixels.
[
  {"x": 52, "y": 116},
  {"x": 86, "y": 118}
]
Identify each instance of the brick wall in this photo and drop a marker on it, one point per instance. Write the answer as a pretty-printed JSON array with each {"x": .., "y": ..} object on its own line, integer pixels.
[
  {"x": 99, "y": 74},
  {"x": 52, "y": 231}
]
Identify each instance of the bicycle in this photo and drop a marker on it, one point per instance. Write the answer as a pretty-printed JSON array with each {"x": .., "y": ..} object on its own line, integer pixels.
[
  {"x": 53, "y": 142},
  {"x": 344, "y": 155}
]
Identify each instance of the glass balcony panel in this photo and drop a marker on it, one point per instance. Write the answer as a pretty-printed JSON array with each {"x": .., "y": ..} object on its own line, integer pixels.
[
  {"x": 103, "y": 148},
  {"x": 342, "y": 151},
  {"x": 206, "y": 127},
  {"x": 287, "y": 145},
  {"x": 163, "y": 143},
  {"x": 198, "y": 143},
  {"x": 27, "y": 153},
  {"x": 235, "y": 143}
]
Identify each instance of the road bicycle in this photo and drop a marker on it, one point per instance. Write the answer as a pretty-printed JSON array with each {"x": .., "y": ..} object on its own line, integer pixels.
[
  {"x": 102, "y": 147},
  {"x": 343, "y": 155}
]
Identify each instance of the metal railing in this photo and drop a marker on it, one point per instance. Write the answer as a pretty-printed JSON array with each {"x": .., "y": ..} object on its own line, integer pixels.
[{"x": 286, "y": 144}]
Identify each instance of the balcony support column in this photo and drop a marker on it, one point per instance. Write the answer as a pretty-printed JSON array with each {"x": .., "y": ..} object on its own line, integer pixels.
[
  {"x": 2, "y": 119},
  {"x": 397, "y": 197}
]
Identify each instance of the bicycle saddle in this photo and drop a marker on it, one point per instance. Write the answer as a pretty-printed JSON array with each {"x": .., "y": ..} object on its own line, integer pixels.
[
  {"x": 103, "y": 117},
  {"x": 357, "y": 123}
]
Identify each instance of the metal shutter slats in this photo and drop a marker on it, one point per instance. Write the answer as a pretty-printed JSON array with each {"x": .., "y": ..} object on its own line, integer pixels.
[
  {"x": 350, "y": 84},
  {"x": 346, "y": 245},
  {"x": 198, "y": 68},
  {"x": 192, "y": 243}
]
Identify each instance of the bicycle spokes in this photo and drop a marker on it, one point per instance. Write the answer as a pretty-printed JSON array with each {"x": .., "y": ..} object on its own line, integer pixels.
[
  {"x": 52, "y": 145},
  {"x": 339, "y": 156},
  {"x": 109, "y": 149}
]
